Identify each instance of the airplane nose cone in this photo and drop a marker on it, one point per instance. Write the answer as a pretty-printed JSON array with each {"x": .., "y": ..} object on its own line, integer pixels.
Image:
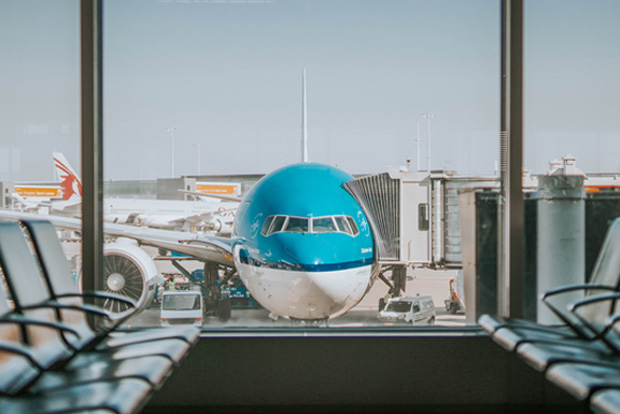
[
  {"x": 317, "y": 295},
  {"x": 314, "y": 277}
]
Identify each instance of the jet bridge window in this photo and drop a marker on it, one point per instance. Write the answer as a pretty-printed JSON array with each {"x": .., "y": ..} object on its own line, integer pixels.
[{"x": 423, "y": 222}]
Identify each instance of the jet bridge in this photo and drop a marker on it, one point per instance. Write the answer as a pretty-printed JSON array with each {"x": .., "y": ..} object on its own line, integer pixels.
[{"x": 414, "y": 217}]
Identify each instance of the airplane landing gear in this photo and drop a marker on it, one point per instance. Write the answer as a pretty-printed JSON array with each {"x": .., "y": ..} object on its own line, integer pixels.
[
  {"x": 314, "y": 323},
  {"x": 216, "y": 302}
]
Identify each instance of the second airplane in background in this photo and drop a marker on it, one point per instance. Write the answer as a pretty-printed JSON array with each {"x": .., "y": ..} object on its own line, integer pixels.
[{"x": 161, "y": 214}]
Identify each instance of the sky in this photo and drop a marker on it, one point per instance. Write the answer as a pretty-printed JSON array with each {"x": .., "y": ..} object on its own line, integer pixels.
[{"x": 226, "y": 74}]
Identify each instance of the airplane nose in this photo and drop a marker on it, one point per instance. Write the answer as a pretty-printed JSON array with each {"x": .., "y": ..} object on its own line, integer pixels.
[
  {"x": 316, "y": 295},
  {"x": 311, "y": 252},
  {"x": 312, "y": 279}
]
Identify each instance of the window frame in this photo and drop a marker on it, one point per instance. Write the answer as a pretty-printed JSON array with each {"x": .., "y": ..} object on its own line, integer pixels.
[{"x": 511, "y": 255}]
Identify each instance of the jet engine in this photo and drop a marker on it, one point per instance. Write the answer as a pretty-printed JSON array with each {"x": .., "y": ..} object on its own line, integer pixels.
[
  {"x": 222, "y": 225},
  {"x": 128, "y": 271}
]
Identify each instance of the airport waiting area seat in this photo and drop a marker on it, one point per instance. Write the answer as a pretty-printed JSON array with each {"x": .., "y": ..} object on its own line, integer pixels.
[
  {"x": 605, "y": 277},
  {"x": 582, "y": 355},
  {"x": 62, "y": 289},
  {"x": 47, "y": 364}
]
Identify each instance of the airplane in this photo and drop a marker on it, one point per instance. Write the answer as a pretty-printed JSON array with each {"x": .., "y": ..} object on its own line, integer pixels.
[
  {"x": 204, "y": 214},
  {"x": 301, "y": 244}
]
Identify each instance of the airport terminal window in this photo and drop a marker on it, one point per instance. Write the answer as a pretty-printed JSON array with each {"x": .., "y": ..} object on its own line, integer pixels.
[
  {"x": 183, "y": 101},
  {"x": 197, "y": 90}
]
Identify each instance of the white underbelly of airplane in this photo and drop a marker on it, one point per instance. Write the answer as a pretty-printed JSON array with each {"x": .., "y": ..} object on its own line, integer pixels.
[{"x": 306, "y": 295}]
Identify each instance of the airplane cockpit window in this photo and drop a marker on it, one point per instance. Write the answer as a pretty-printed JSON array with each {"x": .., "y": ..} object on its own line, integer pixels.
[
  {"x": 343, "y": 225},
  {"x": 323, "y": 225},
  {"x": 278, "y": 223},
  {"x": 329, "y": 224},
  {"x": 296, "y": 225},
  {"x": 265, "y": 229},
  {"x": 353, "y": 226}
]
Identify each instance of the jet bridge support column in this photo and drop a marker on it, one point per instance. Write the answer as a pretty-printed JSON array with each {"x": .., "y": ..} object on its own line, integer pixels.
[
  {"x": 216, "y": 302},
  {"x": 399, "y": 280},
  {"x": 211, "y": 288}
]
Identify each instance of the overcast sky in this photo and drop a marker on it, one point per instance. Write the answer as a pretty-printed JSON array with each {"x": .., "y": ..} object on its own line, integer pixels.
[{"x": 227, "y": 76}]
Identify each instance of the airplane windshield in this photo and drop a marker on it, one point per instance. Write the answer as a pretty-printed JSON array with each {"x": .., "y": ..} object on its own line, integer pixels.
[
  {"x": 323, "y": 225},
  {"x": 328, "y": 224},
  {"x": 297, "y": 225},
  {"x": 353, "y": 225}
]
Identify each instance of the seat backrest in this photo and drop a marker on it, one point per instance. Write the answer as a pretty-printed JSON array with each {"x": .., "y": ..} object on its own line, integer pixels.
[
  {"x": 24, "y": 279},
  {"x": 16, "y": 371},
  {"x": 53, "y": 261},
  {"x": 606, "y": 272},
  {"x": 57, "y": 276}
]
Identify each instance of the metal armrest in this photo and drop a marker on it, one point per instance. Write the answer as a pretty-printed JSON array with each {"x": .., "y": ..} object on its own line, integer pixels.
[
  {"x": 24, "y": 321},
  {"x": 612, "y": 321},
  {"x": 61, "y": 306},
  {"x": 574, "y": 307},
  {"x": 21, "y": 350},
  {"x": 593, "y": 299},
  {"x": 100, "y": 295},
  {"x": 573, "y": 288},
  {"x": 590, "y": 333}
]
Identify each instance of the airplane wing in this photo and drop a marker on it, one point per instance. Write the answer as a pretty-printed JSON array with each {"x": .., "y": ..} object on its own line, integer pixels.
[
  {"x": 200, "y": 247},
  {"x": 205, "y": 196},
  {"x": 199, "y": 219},
  {"x": 29, "y": 205}
]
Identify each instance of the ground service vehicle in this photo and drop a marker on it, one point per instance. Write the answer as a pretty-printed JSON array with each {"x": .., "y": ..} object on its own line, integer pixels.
[
  {"x": 181, "y": 307},
  {"x": 453, "y": 303},
  {"x": 416, "y": 310}
]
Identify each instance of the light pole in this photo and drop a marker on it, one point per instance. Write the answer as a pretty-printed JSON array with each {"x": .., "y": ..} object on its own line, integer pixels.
[
  {"x": 428, "y": 117},
  {"x": 172, "y": 131},
  {"x": 417, "y": 141},
  {"x": 199, "y": 146}
]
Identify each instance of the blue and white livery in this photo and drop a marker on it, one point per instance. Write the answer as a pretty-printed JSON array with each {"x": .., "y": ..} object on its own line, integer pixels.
[{"x": 302, "y": 244}]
